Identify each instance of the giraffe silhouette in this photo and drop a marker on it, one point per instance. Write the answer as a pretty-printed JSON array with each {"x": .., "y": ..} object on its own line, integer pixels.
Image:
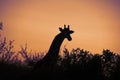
[{"x": 53, "y": 53}]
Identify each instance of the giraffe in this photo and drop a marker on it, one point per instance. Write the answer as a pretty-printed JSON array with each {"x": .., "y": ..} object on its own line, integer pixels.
[{"x": 53, "y": 53}]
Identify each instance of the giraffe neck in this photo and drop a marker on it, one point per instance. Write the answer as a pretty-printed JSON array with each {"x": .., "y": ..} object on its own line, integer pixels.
[
  {"x": 51, "y": 57},
  {"x": 55, "y": 46},
  {"x": 53, "y": 53}
]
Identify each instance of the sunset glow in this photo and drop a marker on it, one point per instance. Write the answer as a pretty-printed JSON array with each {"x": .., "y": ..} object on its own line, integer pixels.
[{"x": 36, "y": 22}]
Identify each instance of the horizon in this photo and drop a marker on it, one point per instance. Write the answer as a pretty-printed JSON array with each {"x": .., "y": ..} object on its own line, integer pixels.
[{"x": 96, "y": 23}]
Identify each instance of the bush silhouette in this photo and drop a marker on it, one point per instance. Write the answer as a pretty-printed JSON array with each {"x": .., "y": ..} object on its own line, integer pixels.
[{"x": 76, "y": 64}]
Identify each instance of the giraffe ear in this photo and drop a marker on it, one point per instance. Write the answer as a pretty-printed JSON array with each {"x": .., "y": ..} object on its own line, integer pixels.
[
  {"x": 60, "y": 29},
  {"x": 71, "y": 31}
]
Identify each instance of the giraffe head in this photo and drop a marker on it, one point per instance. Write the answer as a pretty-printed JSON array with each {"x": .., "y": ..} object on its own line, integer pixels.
[{"x": 66, "y": 32}]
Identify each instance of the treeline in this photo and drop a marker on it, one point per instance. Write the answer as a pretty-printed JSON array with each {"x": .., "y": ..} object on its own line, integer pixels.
[{"x": 78, "y": 64}]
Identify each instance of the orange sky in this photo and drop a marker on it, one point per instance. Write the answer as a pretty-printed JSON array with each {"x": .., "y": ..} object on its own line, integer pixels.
[{"x": 96, "y": 23}]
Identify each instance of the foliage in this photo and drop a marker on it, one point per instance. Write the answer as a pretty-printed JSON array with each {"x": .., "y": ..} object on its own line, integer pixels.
[{"x": 75, "y": 64}]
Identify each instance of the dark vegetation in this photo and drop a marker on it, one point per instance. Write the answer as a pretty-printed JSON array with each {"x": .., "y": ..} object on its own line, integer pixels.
[{"x": 77, "y": 64}]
